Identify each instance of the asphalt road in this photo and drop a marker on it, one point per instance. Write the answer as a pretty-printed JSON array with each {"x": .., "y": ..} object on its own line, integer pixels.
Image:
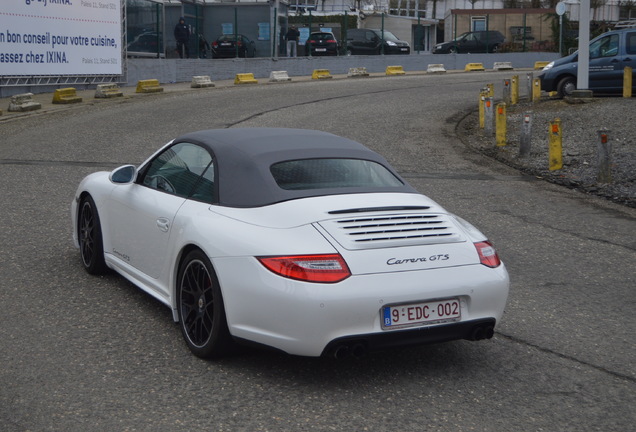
[{"x": 82, "y": 353}]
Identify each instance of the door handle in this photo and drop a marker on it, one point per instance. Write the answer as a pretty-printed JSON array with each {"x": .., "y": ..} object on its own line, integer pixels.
[{"x": 163, "y": 224}]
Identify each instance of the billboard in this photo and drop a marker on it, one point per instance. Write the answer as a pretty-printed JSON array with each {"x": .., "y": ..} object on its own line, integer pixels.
[{"x": 60, "y": 37}]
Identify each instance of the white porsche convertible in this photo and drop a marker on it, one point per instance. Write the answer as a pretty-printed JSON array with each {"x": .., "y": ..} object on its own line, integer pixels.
[{"x": 297, "y": 240}]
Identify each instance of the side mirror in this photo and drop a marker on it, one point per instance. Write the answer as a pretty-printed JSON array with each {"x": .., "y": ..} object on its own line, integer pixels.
[{"x": 123, "y": 175}]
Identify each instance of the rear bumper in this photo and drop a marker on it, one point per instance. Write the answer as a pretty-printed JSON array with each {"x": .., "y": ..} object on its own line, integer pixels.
[
  {"x": 359, "y": 344},
  {"x": 311, "y": 319}
]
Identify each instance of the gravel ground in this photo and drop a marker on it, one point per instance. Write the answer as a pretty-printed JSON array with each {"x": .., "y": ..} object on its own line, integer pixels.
[{"x": 580, "y": 124}]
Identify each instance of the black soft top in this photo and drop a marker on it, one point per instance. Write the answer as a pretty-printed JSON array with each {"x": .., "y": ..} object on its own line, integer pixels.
[{"x": 244, "y": 156}]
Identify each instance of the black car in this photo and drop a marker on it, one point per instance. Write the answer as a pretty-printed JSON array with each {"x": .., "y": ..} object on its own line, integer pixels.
[
  {"x": 472, "y": 42},
  {"x": 371, "y": 41},
  {"x": 225, "y": 46},
  {"x": 321, "y": 43}
]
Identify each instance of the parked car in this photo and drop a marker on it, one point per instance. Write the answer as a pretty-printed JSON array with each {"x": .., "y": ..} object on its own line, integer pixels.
[
  {"x": 299, "y": 240},
  {"x": 472, "y": 42},
  {"x": 370, "y": 41},
  {"x": 321, "y": 43},
  {"x": 225, "y": 46},
  {"x": 609, "y": 54},
  {"x": 148, "y": 42}
]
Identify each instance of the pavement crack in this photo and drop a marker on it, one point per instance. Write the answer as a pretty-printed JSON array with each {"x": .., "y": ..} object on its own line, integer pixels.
[{"x": 568, "y": 357}]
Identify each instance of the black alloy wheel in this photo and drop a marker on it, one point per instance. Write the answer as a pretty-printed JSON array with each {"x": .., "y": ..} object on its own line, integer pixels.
[
  {"x": 90, "y": 237},
  {"x": 200, "y": 307}
]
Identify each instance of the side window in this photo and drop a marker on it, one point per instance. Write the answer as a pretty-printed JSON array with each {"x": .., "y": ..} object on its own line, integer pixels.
[
  {"x": 605, "y": 47},
  {"x": 204, "y": 189},
  {"x": 179, "y": 170},
  {"x": 631, "y": 43}
]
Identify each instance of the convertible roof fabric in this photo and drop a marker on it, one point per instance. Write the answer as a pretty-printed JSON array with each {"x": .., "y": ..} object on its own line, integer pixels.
[{"x": 244, "y": 156}]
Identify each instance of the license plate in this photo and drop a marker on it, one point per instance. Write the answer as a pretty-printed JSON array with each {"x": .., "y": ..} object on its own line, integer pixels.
[
  {"x": 226, "y": 44},
  {"x": 403, "y": 49},
  {"x": 421, "y": 314},
  {"x": 321, "y": 49}
]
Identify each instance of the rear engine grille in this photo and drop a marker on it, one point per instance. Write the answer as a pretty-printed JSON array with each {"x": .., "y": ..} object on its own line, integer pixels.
[{"x": 393, "y": 230}]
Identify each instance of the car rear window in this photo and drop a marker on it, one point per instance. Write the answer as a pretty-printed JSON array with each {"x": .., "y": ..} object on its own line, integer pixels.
[
  {"x": 332, "y": 173},
  {"x": 322, "y": 36}
]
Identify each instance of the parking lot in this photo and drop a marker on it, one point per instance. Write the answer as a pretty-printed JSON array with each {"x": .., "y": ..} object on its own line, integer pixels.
[{"x": 81, "y": 353}]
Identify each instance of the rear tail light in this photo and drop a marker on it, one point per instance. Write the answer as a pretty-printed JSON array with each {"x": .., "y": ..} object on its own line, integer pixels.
[
  {"x": 326, "y": 268},
  {"x": 331, "y": 41},
  {"x": 487, "y": 254}
]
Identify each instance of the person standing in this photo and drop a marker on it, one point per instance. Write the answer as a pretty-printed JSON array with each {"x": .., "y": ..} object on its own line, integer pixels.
[
  {"x": 292, "y": 41},
  {"x": 182, "y": 35}
]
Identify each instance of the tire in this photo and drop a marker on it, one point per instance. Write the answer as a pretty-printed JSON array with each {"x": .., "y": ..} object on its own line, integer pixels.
[
  {"x": 348, "y": 52},
  {"x": 566, "y": 86},
  {"x": 200, "y": 307},
  {"x": 89, "y": 235}
]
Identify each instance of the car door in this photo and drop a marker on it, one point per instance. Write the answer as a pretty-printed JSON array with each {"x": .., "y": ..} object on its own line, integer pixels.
[
  {"x": 629, "y": 59},
  {"x": 607, "y": 61},
  {"x": 371, "y": 43},
  {"x": 470, "y": 44},
  {"x": 142, "y": 213}
]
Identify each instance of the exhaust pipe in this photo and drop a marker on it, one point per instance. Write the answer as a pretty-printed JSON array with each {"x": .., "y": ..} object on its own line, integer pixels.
[
  {"x": 359, "y": 350},
  {"x": 482, "y": 332},
  {"x": 477, "y": 334},
  {"x": 351, "y": 349},
  {"x": 341, "y": 352}
]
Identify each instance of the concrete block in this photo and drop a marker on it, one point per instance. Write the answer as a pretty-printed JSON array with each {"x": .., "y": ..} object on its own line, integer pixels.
[
  {"x": 23, "y": 102},
  {"x": 108, "y": 91},
  {"x": 499, "y": 66},
  {"x": 435, "y": 69},
  {"x": 279, "y": 76},
  {"x": 245, "y": 78},
  {"x": 201, "y": 81},
  {"x": 472, "y": 67},
  {"x": 149, "y": 86},
  {"x": 66, "y": 96},
  {"x": 321, "y": 74},
  {"x": 358, "y": 72},
  {"x": 395, "y": 70}
]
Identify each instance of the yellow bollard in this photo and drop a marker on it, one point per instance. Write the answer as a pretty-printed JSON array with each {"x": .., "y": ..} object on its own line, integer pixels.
[
  {"x": 555, "y": 145},
  {"x": 536, "y": 90},
  {"x": 482, "y": 112},
  {"x": 628, "y": 79},
  {"x": 500, "y": 125},
  {"x": 514, "y": 90}
]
